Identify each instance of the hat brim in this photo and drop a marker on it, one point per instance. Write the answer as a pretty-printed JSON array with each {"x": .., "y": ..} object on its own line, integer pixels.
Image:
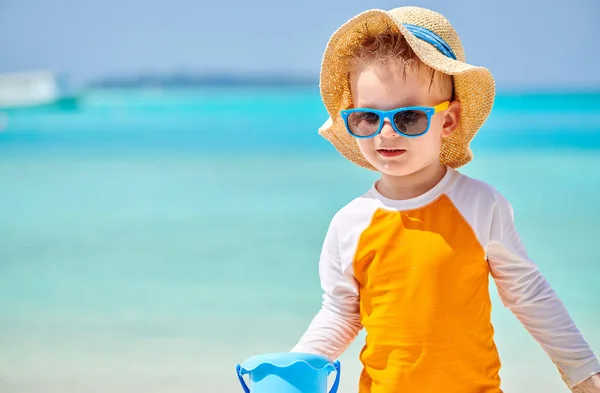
[{"x": 474, "y": 88}]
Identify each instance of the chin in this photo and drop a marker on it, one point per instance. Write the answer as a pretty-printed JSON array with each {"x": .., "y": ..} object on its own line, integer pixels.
[
  {"x": 396, "y": 169},
  {"x": 401, "y": 166}
]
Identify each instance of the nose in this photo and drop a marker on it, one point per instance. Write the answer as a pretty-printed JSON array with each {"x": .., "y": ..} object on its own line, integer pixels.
[{"x": 387, "y": 131}]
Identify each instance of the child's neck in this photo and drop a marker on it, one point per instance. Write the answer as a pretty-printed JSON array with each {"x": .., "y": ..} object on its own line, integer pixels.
[{"x": 411, "y": 186}]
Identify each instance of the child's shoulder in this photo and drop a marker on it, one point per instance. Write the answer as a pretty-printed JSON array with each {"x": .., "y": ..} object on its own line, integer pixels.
[
  {"x": 476, "y": 190},
  {"x": 474, "y": 186},
  {"x": 479, "y": 201},
  {"x": 359, "y": 208}
]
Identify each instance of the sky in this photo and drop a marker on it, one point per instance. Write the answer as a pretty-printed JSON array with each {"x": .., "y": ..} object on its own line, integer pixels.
[{"x": 525, "y": 43}]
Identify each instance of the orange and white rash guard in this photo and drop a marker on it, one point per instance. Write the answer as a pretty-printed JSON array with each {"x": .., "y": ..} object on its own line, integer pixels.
[{"x": 414, "y": 274}]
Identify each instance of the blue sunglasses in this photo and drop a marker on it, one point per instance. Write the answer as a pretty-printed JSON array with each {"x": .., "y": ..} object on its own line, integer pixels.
[{"x": 411, "y": 122}]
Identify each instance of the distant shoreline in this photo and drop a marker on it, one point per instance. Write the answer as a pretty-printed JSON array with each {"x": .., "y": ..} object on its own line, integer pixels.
[{"x": 286, "y": 81}]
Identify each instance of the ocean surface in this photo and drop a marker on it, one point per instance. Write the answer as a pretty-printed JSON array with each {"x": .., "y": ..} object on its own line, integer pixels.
[{"x": 151, "y": 240}]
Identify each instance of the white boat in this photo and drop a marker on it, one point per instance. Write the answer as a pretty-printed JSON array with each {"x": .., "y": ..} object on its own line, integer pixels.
[{"x": 28, "y": 89}]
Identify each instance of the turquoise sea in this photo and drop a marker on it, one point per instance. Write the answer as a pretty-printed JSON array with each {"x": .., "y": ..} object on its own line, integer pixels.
[{"x": 150, "y": 240}]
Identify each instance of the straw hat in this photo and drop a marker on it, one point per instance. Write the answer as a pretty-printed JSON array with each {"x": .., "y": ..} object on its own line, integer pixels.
[{"x": 436, "y": 43}]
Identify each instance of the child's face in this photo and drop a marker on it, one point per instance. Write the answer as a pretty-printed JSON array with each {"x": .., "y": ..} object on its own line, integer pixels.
[{"x": 385, "y": 88}]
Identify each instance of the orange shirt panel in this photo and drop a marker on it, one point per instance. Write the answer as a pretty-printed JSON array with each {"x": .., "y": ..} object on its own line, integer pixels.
[{"x": 425, "y": 305}]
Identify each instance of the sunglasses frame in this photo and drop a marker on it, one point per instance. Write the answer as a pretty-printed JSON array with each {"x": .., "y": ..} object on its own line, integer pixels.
[{"x": 383, "y": 115}]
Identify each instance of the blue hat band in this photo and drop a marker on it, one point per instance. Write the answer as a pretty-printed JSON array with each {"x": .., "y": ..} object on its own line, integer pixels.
[{"x": 432, "y": 38}]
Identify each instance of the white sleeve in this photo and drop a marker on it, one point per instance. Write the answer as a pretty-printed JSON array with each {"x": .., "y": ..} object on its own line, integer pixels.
[
  {"x": 337, "y": 323},
  {"x": 525, "y": 291}
]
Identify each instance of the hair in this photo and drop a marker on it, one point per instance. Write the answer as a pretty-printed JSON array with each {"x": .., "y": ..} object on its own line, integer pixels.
[{"x": 390, "y": 47}]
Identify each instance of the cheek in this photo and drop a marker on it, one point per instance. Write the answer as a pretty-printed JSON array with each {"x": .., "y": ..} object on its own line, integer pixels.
[
  {"x": 434, "y": 135},
  {"x": 437, "y": 125},
  {"x": 429, "y": 143},
  {"x": 366, "y": 146}
]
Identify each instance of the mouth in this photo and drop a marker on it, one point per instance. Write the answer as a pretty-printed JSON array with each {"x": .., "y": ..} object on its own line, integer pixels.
[{"x": 391, "y": 152}]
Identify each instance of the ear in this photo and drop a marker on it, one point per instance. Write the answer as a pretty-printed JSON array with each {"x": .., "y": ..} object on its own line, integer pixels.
[{"x": 451, "y": 116}]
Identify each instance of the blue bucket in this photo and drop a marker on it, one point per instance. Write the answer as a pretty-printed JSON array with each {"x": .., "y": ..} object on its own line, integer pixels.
[{"x": 288, "y": 372}]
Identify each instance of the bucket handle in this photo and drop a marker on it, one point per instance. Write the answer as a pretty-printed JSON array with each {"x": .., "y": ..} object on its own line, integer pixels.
[
  {"x": 336, "y": 383},
  {"x": 238, "y": 368},
  {"x": 334, "y": 387}
]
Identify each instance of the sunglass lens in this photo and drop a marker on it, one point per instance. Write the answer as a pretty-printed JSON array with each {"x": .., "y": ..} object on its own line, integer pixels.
[
  {"x": 411, "y": 122},
  {"x": 363, "y": 123}
]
